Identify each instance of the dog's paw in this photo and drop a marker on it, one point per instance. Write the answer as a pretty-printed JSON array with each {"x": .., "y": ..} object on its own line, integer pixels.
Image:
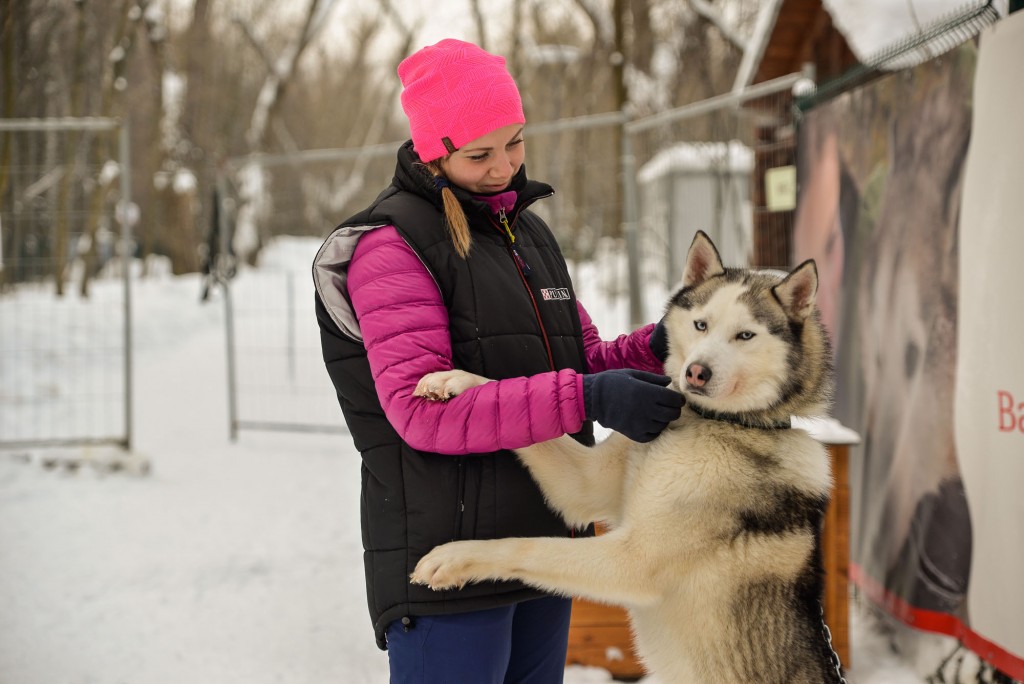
[
  {"x": 444, "y": 385},
  {"x": 446, "y": 567}
]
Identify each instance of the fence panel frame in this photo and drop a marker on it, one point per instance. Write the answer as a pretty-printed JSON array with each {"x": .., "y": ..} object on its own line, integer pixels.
[
  {"x": 236, "y": 422},
  {"x": 126, "y": 216}
]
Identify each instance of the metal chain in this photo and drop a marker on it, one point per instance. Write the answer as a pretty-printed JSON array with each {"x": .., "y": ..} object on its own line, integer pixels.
[{"x": 834, "y": 659}]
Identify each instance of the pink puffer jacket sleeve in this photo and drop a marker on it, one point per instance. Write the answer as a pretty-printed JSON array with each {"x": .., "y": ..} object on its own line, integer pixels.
[
  {"x": 626, "y": 351},
  {"x": 404, "y": 325}
]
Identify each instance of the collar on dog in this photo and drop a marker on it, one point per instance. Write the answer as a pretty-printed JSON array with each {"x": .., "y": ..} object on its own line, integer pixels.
[{"x": 737, "y": 419}]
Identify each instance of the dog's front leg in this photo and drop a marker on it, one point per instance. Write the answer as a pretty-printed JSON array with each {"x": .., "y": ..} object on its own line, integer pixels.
[
  {"x": 582, "y": 483},
  {"x": 600, "y": 568}
]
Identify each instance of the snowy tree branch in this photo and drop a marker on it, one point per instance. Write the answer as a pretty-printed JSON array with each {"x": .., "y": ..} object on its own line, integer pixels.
[
  {"x": 478, "y": 19},
  {"x": 247, "y": 31},
  {"x": 600, "y": 19},
  {"x": 395, "y": 16},
  {"x": 280, "y": 70},
  {"x": 708, "y": 12}
]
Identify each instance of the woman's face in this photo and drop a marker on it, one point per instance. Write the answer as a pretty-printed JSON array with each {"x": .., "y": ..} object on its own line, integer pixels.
[{"x": 487, "y": 164}]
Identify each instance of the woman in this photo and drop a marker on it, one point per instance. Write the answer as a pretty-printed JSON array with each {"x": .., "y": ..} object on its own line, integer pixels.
[{"x": 448, "y": 268}]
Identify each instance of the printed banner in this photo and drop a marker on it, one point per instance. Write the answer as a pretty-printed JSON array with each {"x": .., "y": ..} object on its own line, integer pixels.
[
  {"x": 920, "y": 293},
  {"x": 990, "y": 368}
]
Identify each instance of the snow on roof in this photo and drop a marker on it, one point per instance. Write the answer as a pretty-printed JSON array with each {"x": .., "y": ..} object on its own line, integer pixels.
[
  {"x": 701, "y": 156},
  {"x": 763, "y": 26},
  {"x": 869, "y": 26},
  {"x": 826, "y": 430}
]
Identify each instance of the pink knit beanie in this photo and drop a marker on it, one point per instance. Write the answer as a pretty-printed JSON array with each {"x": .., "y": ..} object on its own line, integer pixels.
[{"x": 454, "y": 93}]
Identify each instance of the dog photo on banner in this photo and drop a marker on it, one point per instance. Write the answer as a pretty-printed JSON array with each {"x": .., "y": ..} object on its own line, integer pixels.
[{"x": 907, "y": 189}]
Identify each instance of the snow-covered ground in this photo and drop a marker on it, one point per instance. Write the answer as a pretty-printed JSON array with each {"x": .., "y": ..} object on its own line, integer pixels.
[{"x": 230, "y": 561}]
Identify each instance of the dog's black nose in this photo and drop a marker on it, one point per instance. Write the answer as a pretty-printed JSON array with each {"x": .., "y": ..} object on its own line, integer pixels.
[{"x": 697, "y": 375}]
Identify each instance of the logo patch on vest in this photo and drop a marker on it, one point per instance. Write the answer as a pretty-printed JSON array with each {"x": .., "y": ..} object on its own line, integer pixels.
[{"x": 553, "y": 293}]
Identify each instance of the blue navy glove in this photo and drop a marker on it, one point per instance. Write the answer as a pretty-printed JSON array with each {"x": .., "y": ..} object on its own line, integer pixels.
[
  {"x": 636, "y": 403},
  {"x": 658, "y": 342}
]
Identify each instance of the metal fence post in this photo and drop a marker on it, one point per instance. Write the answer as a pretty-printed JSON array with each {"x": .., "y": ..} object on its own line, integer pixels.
[
  {"x": 630, "y": 225},
  {"x": 128, "y": 218},
  {"x": 229, "y": 317},
  {"x": 290, "y": 314}
]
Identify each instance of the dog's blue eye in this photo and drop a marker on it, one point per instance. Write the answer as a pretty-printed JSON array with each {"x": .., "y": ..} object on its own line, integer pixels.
[
  {"x": 745, "y": 335},
  {"x": 700, "y": 325}
]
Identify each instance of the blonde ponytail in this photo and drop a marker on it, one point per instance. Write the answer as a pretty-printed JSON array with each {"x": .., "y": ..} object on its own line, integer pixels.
[{"x": 455, "y": 217}]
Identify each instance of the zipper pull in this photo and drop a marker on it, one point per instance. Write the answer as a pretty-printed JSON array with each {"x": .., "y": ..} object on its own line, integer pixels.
[
  {"x": 504, "y": 223},
  {"x": 520, "y": 261},
  {"x": 523, "y": 266}
]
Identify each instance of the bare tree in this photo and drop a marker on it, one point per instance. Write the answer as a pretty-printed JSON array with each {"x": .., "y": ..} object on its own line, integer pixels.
[
  {"x": 60, "y": 63},
  {"x": 634, "y": 56},
  {"x": 75, "y": 108},
  {"x": 369, "y": 123},
  {"x": 280, "y": 69},
  {"x": 111, "y": 87},
  {"x": 228, "y": 84},
  {"x": 630, "y": 34},
  {"x": 478, "y": 20},
  {"x": 710, "y": 13},
  {"x": 9, "y": 14}
]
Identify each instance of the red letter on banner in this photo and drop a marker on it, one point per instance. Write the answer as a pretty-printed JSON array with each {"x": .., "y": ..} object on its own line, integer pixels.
[{"x": 1006, "y": 409}]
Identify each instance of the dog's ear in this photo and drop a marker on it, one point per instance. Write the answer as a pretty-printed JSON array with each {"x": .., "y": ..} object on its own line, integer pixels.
[
  {"x": 702, "y": 261},
  {"x": 798, "y": 291}
]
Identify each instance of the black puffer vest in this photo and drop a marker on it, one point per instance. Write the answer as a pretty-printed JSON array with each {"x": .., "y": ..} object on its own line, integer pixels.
[{"x": 510, "y": 315}]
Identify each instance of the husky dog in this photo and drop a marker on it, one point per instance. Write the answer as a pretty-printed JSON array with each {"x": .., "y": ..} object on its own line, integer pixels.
[{"x": 714, "y": 527}]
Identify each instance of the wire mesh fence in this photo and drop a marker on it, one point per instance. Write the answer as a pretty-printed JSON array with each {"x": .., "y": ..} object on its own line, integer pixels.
[
  {"x": 640, "y": 188},
  {"x": 276, "y": 376},
  {"x": 65, "y": 361},
  {"x": 61, "y": 367},
  {"x": 580, "y": 158},
  {"x": 724, "y": 166},
  {"x": 279, "y": 381}
]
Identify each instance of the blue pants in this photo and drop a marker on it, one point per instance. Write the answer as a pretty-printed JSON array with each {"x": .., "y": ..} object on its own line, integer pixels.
[{"x": 524, "y": 643}]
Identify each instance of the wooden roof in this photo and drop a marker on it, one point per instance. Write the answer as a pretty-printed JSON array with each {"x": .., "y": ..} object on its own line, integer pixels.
[{"x": 803, "y": 32}]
